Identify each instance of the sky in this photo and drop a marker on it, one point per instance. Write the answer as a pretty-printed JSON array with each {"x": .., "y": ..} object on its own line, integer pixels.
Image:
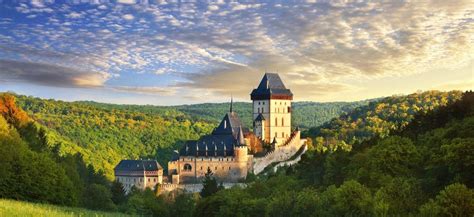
[{"x": 185, "y": 52}]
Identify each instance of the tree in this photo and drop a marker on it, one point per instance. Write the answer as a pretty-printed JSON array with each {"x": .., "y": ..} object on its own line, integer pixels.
[
  {"x": 353, "y": 199},
  {"x": 455, "y": 200},
  {"x": 118, "y": 193},
  {"x": 209, "y": 184},
  {"x": 183, "y": 205},
  {"x": 98, "y": 197}
]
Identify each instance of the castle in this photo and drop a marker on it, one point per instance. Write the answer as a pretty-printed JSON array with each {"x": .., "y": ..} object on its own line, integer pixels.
[{"x": 227, "y": 150}]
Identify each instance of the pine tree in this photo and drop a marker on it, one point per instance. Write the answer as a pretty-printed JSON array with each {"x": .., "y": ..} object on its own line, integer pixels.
[{"x": 209, "y": 184}]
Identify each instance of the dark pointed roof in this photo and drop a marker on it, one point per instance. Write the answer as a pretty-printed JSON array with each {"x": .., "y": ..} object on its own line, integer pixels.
[
  {"x": 240, "y": 137},
  {"x": 260, "y": 117},
  {"x": 216, "y": 146},
  {"x": 138, "y": 165},
  {"x": 229, "y": 124},
  {"x": 271, "y": 87},
  {"x": 221, "y": 142}
]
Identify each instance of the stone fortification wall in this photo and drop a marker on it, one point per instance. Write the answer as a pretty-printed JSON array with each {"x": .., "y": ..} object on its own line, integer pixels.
[
  {"x": 192, "y": 188},
  {"x": 225, "y": 169},
  {"x": 281, "y": 153},
  {"x": 291, "y": 162}
]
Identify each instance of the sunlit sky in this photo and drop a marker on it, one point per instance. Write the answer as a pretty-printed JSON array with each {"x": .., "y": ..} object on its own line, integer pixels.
[{"x": 183, "y": 52}]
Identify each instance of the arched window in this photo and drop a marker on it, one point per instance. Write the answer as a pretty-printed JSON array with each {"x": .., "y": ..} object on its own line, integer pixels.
[
  {"x": 187, "y": 167},
  {"x": 283, "y": 135},
  {"x": 276, "y": 122},
  {"x": 282, "y": 122}
]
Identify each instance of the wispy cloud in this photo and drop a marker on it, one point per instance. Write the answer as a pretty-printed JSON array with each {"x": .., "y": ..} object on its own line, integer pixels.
[
  {"x": 224, "y": 48},
  {"x": 162, "y": 91},
  {"x": 50, "y": 75}
]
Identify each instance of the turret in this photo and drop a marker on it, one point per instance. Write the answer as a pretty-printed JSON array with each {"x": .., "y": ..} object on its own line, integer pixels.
[{"x": 240, "y": 149}]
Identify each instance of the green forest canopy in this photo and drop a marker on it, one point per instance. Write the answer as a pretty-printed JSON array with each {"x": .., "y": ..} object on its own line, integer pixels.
[
  {"x": 422, "y": 168},
  {"x": 106, "y": 133}
]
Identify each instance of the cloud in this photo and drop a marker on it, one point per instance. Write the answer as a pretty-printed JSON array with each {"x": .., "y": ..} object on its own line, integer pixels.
[
  {"x": 127, "y": 1},
  {"x": 317, "y": 48},
  {"x": 163, "y": 91},
  {"x": 74, "y": 15},
  {"x": 49, "y": 75},
  {"x": 128, "y": 17},
  {"x": 213, "y": 7}
]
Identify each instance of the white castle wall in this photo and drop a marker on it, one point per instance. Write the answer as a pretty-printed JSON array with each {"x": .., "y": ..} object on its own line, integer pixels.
[
  {"x": 193, "y": 188},
  {"x": 281, "y": 153},
  {"x": 291, "y": 162}
]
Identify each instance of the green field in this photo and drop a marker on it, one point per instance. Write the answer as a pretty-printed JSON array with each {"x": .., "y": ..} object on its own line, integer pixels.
[{"x": 18, "y": 208}]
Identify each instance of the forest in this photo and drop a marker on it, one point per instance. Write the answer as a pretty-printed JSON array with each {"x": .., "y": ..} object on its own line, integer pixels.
[
  {"x": 419, "y": 164},
  {"x": 378, "y": 118},
  {"x": 106, "y": 133}
]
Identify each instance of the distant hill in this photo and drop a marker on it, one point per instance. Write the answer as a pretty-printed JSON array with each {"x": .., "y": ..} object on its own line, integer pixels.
[
  {"x": 106, "y": 133},
  {"x": 305, "y": 114},
  {"x": 379, "y": 118}
]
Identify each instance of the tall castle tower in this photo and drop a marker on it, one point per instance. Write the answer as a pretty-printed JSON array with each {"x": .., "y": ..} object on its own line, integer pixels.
[{"x": 272, "y": 109}]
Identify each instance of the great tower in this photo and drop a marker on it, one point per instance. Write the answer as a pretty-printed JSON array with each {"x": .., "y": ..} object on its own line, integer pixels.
[{"x": 272, "y": 109}]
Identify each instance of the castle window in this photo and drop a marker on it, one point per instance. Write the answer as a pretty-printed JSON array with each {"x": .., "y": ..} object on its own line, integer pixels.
[
  {"x": 154, "y": 180},
  {"x": 187, "y": 167},
  {"x": 276, "y": 134},
  {"x": 276, "y": 122},
  {"x": 289, "y": 109},
  {"x": 262, "y": 110},
  {"x": 201, "y": 168},
  {"x": 282, "y": 122},
  {"x": 283, "y": 135},
  {"x": 229, "y": 168},
  {"x": 258, "y": 110},
  {"x": 215, "y": 168}
]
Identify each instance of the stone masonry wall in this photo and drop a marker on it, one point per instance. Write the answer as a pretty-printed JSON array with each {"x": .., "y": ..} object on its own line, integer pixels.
[{"x": 281, "y": 153}]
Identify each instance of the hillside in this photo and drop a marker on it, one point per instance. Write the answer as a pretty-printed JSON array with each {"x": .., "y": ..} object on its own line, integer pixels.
[
  {"x": 420, "y": 169},
  {"x": 22, "y": 209},
  {"x": 305, "y": 114},
  {"x": 106, "y": 133},
  {"x": 424, "y": 169},
  {"x": 378, "y": 118}
]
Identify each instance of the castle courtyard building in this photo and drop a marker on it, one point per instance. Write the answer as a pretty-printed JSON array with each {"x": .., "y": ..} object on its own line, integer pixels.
[
  {"x": 224, "y": 152},
  {"x": 140, "y": 174}
]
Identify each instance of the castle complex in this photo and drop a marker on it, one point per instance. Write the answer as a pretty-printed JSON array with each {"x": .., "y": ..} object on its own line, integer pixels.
[{"x": 232, "y": 151}]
